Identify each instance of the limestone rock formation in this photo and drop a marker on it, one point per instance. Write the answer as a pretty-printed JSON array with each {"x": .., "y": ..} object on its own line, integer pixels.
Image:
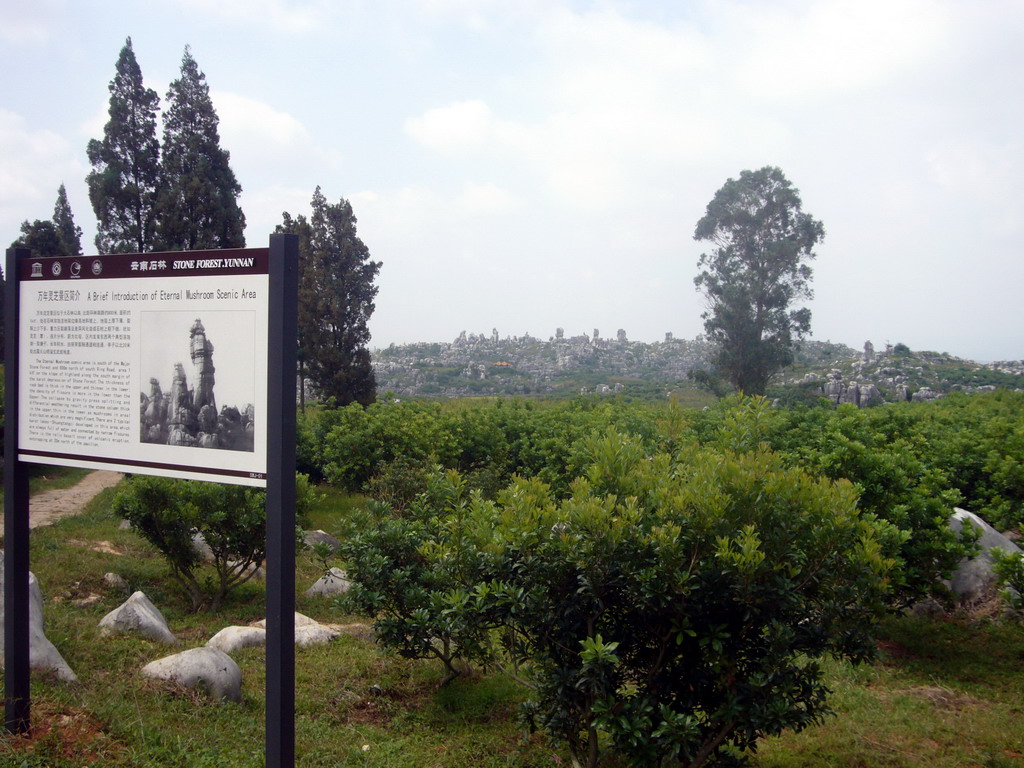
[
  {"x": 188, "y": 415},
  {"x": 520, "y": 365}
]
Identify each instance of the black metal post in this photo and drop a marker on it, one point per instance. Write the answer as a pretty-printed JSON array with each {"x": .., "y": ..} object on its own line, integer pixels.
[
  {"x": 16, "y": 556},
  {"x": 283, "y": 311}
]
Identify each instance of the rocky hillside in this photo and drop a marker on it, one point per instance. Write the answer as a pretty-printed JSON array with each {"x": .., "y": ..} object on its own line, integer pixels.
[
  {"x": 524, "y": 365},
  {"x": 898, "y": 373}
]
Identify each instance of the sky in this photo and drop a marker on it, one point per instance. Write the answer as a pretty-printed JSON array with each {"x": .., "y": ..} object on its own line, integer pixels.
[{"x": 527, "y": 165}]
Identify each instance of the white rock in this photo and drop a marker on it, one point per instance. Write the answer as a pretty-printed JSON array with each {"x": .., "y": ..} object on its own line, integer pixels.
[
  {"x": 308, "y": 631},
  {"x": 312, "y": 538},
  {"x": 42, "y": 654},
  {"x": 334, "y": 582},
  {"x": 202, "y": 548},
  {"x": 231, "y": 639},
  {"x": 974, "y": 576},
  {"x": 207, "y": 669},
  {"x": 117, "y": 582},
  {"x": 314, "y": 634},
  {"x": 300, "y": 620},
  {"x": 137, "y": 615}
]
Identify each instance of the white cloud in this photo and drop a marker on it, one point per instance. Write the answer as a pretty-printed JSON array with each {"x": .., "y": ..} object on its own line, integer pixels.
[
  {"x": 250, "y": 119},
  {"x": 487, "y": 199},
  {"x": 273, "y": 156},
  {"x": 27, "y": 23},
  {"x": 284, "y": 15},
  {"x": 263, "y": 208},
  {"x": 985, "y": 178},
  {"x": 626, "y": 103},
  {"x": 456, "y": 127},
  {"x": 793, "y": 50}
]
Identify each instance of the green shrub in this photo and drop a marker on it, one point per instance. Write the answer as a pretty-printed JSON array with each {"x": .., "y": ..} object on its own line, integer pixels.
[
  {"x": 412, "y": 573},
  {"x": 232, "y": 520},
  {"x": 678, "y": 606},
  {"x": 671, "y": 608},
  {"x": 887, "y": 464},
  {"x": 1009, "y": 568}
]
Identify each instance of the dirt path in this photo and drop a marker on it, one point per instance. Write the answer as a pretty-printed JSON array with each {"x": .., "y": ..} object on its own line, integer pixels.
[{"x": 50, "y": 506}]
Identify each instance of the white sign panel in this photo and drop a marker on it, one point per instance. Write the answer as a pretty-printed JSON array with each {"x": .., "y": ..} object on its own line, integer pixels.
[{"x": 146, "y": 363}]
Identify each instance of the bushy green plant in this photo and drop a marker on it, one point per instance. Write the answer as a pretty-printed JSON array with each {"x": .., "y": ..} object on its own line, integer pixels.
[
  {"x": 1009, "y": 569},
  {"x": 412, "y": 573},
  {"x": 675, "y": 609},
  {"x": 670, "y": 608},
  {"x": 979, "y": 441},
  {"x": 231, "y": 519},
  {"x": 885, "y": 462}
]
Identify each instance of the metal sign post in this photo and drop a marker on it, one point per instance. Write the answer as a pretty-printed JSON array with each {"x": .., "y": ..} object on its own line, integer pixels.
[
  {"x": 280, "y": 707},
  {"x": 16, "y": 648}
]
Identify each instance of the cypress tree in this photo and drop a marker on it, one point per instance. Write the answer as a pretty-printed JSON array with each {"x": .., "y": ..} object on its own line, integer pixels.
[
  {"x": 126, "y": 163},
  {"x": 199, "y": 198},
  {"x": 336, "y": 293},
  {"x": 42, "y": 238},
  {"x": 64, "y": 222}
]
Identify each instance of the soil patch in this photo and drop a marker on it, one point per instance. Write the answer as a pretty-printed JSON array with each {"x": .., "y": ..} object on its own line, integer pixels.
[{"x": 50, "y": 506}]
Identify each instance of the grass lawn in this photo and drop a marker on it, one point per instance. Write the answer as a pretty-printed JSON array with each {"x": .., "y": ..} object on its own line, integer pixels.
[{"x": 943, "y": 694}]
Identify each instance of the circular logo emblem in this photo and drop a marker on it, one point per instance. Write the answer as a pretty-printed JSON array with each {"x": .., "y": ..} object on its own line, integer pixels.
[
  {"x": 76, "y": 269},
  {"x": 97, "y": 267},
  {"x": 55, "y": 268}
]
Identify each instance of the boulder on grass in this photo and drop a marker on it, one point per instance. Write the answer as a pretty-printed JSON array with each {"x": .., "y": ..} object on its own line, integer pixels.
[
  {"x": 334, "y": 582},
  {"x": 308, "y": 631},
  {"x": 300, "y": 620},
  {"x": 312, "y": 538},
  {"x": 116, "y": 582},
  {"x": 231, "y": 639},
  {"x": 42, "y": 654},
  {"x": 207, "y": 669},
  {"x": 314, "y": 634},
  {"x": 974, "y": 577},
  {"x": 202, "y": 548},
  {"x": 137, "y": 615}
]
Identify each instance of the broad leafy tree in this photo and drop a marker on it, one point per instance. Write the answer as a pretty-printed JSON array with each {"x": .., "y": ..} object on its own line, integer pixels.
[
  {"x": 336, "y": 293},
  {"x": 126, "y": 163},
  {"x": 755, "y": 274},
  {"x": 198, "y": 202},
  {"x": 70, "y": 234}
]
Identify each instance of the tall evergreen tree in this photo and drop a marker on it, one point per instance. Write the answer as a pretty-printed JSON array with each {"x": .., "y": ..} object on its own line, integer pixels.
[
  {"x": 64, "y": 222},
  {"x": 126, "y": 163},
  {"x": 336, "y": 293},
  {"x": 199, "y": 198}
]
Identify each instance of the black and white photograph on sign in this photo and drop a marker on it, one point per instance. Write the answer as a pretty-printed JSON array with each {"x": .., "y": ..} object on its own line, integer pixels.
[{"x": 198, "y": 379}]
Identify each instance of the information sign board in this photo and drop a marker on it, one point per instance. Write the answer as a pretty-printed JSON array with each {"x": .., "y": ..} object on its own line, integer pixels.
[{"x": 149, "y": 363}]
